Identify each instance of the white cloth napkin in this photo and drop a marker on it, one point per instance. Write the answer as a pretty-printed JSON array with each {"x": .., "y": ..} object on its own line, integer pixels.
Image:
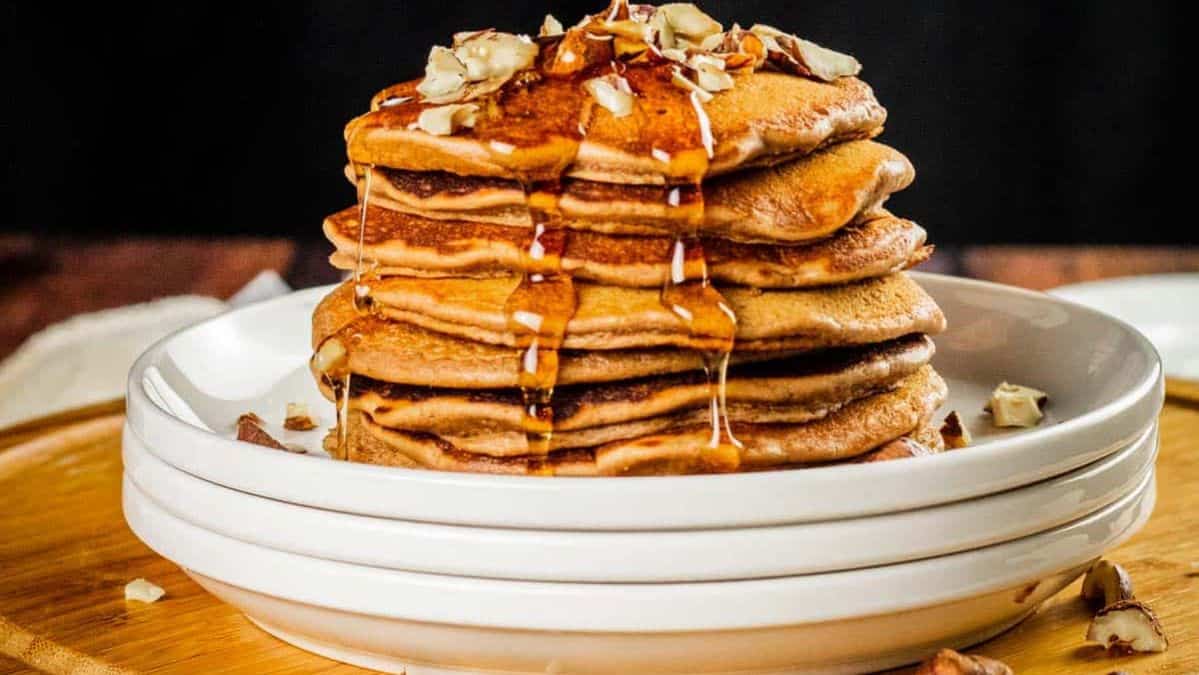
[{"x": 86, "y": 359}]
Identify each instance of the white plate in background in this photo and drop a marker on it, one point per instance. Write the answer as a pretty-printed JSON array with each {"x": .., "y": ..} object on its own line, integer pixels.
[{"x": 1165, "y": 307}]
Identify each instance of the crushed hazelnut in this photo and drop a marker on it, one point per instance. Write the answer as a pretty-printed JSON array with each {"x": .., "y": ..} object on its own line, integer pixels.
[
  {"x": 954, "y": 433},
  {"x": 1106, "y": 583},
  {"x": 445, "y": 76},
  {"x": 479, "y": 63},
  {"x": 445, "y": 120},
  {"x": 1014, "y": 405},
  {"x": 1128, "y": 626},
  {"x": 330, "y": 356},
  {"x": 680, "y": 80},
  {"x": 689, "y": 21},
  {"x": 612, "y": 92},
  {"x": 797, "y": 56},
  {"x": 949, "y": 662},
  {"x": 141, "y": 590},
  {"x": 709, "y": 72},
  {"x": 575, "y": 52},
  {"x": 298, "y": 418},
  {"x": 250, "y": 429},
  {"x": 550, "y": 27}
]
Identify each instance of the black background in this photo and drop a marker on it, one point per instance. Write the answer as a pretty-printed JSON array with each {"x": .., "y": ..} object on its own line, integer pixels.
[{"x": 1027, "y": 122}]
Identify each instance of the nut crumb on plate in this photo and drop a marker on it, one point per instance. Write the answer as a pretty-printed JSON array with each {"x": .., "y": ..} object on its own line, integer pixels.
[{"x": 141, "y": 590}]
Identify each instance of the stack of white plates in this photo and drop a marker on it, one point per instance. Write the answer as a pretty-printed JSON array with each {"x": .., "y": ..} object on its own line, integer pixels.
[{"x": 837, "y": 569}]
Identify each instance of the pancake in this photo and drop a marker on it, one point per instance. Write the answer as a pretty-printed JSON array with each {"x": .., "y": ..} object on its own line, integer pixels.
[
  {"x": 610, "y": 317},
  {"x": 849, "y": 432},
  {"x": 762, "y": 390},
  {"x": 531, "y": 131},
  {"x": 798, "y": 201},
  {"x": 394, "y": 351},
  {"x": 399, "y": 244}
]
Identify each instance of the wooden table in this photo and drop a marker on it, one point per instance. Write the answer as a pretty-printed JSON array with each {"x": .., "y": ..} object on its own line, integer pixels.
[{"x": 65, "y": 553}]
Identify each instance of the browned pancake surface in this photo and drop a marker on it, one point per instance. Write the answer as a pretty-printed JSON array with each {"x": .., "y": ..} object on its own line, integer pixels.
[
  {"x": 400, "y": 244},
  {"x": 755, "y": 393},
  {"x": 766, "y": 118},
  {"x": 395, "y": 351},
  {"x": 610, "y": 317},
  {"x": 797, "y": 201},
  {"x": 849, "y": 432}
]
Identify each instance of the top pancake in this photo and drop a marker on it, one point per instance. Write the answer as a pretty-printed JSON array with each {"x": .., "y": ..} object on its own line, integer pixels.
[
  {"x": 797, "y": 201},
  {"x": 766, "y": 118}
]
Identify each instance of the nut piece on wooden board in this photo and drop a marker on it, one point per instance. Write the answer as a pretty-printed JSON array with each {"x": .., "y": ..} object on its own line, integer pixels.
[{"x": 949, "y": 662}]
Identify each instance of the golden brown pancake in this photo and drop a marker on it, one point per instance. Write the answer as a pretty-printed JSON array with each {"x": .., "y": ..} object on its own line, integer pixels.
[
  {"x": 398, "y": 244},
  {"x": 764, "y": 119},
  {"x": 797, "y": 201},
  {"x": 394, "y": 351},
  {"x": 762, "y": 390},
  {"x": 848, "y": 432},
  {"x": 610, "y": 317}
]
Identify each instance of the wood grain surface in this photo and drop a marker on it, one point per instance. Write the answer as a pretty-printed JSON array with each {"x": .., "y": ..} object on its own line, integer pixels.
[{"x": 67, "y": 554}]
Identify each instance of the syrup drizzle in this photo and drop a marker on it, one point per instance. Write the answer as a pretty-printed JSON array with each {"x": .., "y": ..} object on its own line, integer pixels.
[
  {"x": 537, "y": 312},
  {"x": 543, "y": 302},
  {"x": 341, "y": 381}
]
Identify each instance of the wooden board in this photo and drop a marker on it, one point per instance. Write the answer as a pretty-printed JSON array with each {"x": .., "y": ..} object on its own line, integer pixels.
[{"x": 66, "y": 554}]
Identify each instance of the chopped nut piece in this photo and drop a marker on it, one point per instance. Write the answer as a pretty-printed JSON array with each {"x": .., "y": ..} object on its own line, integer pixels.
[
  {"x": 709, "y": 72},
  {"x": 949, "y": 662},
  {"x": 954, "y": 433},
  {"x": 1106, "y": 584},
  {"x": 687, "y": 20},
  {"x": 628, "y": 29},
  {"x": 141, "y": 590},
  {"x": 250, "y": 429},
  {"x": 479, "y": 63},
  {"x": 680, "y": 80},
  {"x": 1013, "y": 405},
  {"x": 445, "y": 120},
  {"x": 738, "y": 47},
  {"x": 900, "y": 448},
  {"x": 330, "y": 357},
  {"x": 445, "y": 76},
  {"x": 663, "y": 32},
  {"x": 494, "y": 55},
  {"x": 797, "y": 56},
  {"x": 612, "y": 92},
  {"x": 550, "y": 27},
  {"x": 1128, "y": 626},
  {"x": 576, "y": 52},
  {"x": 298, "y": 418}
]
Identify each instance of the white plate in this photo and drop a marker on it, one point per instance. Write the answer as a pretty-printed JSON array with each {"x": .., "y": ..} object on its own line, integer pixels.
[
  {"x": 1165, "y": 307},
  {"x": 1103, "y": 377},
  {"x": 844, "y": 620},
  {"x": 684, "y": 555}
]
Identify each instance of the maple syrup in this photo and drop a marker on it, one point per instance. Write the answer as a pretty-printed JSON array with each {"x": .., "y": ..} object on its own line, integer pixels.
[
  {"x": 537, "y": 312},
  {"x": 538, "y": 125}
]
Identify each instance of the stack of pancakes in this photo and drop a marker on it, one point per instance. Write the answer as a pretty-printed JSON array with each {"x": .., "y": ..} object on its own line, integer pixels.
[{"x": 559, "y": 285}]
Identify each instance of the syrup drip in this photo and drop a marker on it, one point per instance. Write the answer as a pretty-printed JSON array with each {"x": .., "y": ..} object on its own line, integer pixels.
[
  {"x": 363, "y": 304},
  {"x": 711, "y": 322},
  {"x": 537, "y": 311}
]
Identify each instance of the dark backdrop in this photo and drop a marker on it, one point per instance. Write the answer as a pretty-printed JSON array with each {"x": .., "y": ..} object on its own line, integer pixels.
[{"x": 1027, "y": 122}]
